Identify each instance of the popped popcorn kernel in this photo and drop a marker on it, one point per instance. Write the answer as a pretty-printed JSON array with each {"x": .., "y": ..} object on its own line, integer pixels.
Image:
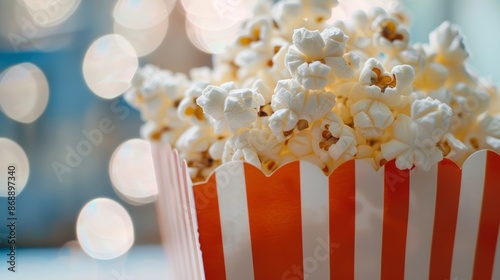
[
  {"x": 315, "y": 58},
  {"x": 296, "y": 84}
]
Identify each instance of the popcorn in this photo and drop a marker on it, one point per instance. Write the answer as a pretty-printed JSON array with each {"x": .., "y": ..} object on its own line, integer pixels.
[
  {"x": 290, "y": 87},
  {"x": 335, "y": 137},
  {"x": 160, "y": 132},
  {"x": 291, "y": 14},
  {"x": 241, "y": 107},
  {"x": 376, "y": 93},
  {"x": 390, "y": 36},
  {"x": 454, "y": 149},
  {"x": 432, "y": 118},
  {"x": 295, "y": 106},
  {"x": 430, "y": 75},
  {"x": 447, "y": 42},
  {"x": 255, "y": 146},
  {"x": 188, "y": 109},
  {"x": 489, "y": 132},
  {"x": 229, "y": 107},
  {"x": 467, "y": 103},
  {"x": 415, "y": 138},
  {"x": 316, "y": 57}
]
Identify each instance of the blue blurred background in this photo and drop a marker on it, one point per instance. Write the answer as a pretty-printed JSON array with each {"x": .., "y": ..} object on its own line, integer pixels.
[{"x": 48, "y": 207}]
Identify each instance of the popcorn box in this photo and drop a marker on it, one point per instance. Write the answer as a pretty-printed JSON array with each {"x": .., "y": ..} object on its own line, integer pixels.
[{"x": 357, "y": 223}]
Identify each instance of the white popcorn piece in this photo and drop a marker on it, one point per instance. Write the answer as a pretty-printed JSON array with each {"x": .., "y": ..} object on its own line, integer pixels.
[
  {"x": 212, "y": 102},
  {"x": 454, "y": 149},
  {"x": 241, "y": 108},
  {"x": 432, "y": 117},
  {"x": 429, "y": 74},
  {"x": 442, "y": 94},
  {"x": 295, "y": 106},
  {"x": 488, "y": 134},
  {"x": 467, "y": 104},
  {"x": 447, "y": 42},
  {"x": 390, "y": 36},
  {"x": 262, "y": 88},
  {"x": 188, "y": 109},
  {"x": 378, "y": 31},
  {"x": 216, "y": 150},
  {"x": 242, "y": 150},
  {"x": 376, "y": 95},
  {"x": 265, "y": 143},
  {"x": 300, "y": 147},
  {"x": 494, "y": 93},
  {"x": 160, "y": 132},
  {"x": 407, "y": 149},
  {"x": 195, "y": 139},
  {"x": 371, "y": 117},
  {"x": 332, "y": 136},
  {"x": 398, "y": 11},
  {"x": 201, "y": 74},
  {"x": 256, "y": 35},
  {"x": 288, "y": 15},
  {"x": 228, "y": 107},
  {"x": 375, "y": 82},
  {"x": 158, "y": 95},
  {"x": 415, "y": 138},
  {"x": 312, "y": 14},
  {"x": 315, "y": 58}
]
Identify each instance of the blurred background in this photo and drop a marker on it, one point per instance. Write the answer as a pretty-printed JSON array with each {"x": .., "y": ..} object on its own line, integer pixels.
[{"x": 53, "y": 51}]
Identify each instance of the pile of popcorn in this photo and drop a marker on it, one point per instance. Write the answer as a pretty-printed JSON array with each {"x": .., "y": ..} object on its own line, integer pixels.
[{"x": 297, "y": 84}]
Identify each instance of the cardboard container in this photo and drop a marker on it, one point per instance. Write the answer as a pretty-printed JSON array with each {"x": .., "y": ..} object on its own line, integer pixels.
[{"x": 355, "y": 224}]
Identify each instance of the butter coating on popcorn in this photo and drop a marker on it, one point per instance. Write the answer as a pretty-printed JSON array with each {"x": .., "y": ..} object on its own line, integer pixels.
[{"x": 299, "y": 84}]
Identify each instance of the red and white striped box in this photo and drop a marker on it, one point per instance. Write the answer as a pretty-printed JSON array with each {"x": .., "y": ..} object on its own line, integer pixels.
[{"x": 355, "y": 224}]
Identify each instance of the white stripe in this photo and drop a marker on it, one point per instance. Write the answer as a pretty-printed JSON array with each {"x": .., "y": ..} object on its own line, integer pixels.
[
  {"x": 194, "y": 235},
  {"x": 161, "y": 156},
  {"x": 185, "y": 184},
  {"x": 235, "y": 226},
  {"x": 496, "y": 263},
  {"x": 178, "y": 230},
  {"x": 369, "y": 221},
  {"x": 469, "y": 211},
  {"x": 315, "y": 221},
  {"x": 420, "y": 223}
]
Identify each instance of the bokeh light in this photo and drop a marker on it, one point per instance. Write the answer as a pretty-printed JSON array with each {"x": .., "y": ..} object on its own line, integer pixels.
[
  {"x": 346, "y": 7},
  {"x": 47, "y": 13},
  {"x": 211, "y": 41},
  {"x": 144, "y": 41},
  {"x": 24, "y": 92},
  {"x": 11, "y": 154},
  {"x": 132, "y": 172},
  {"x": 140, "y": 14},
  {"x": 144, "y": 23},
  {"x": 213, "y": 24},
  {"x": 104, "y": 229},
  {"x": 109, "y": 65}
]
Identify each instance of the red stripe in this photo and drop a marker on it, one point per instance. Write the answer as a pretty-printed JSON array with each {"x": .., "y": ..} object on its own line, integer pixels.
[
  {"x": 342, "y": 212},
  {"x": 275, "y": 222},
  {"x": 490, "y": 219},
  {"x": 396, "y": 200},
  {"x": 207, "y": 211},
  {"x": 445, "y": 219}
]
